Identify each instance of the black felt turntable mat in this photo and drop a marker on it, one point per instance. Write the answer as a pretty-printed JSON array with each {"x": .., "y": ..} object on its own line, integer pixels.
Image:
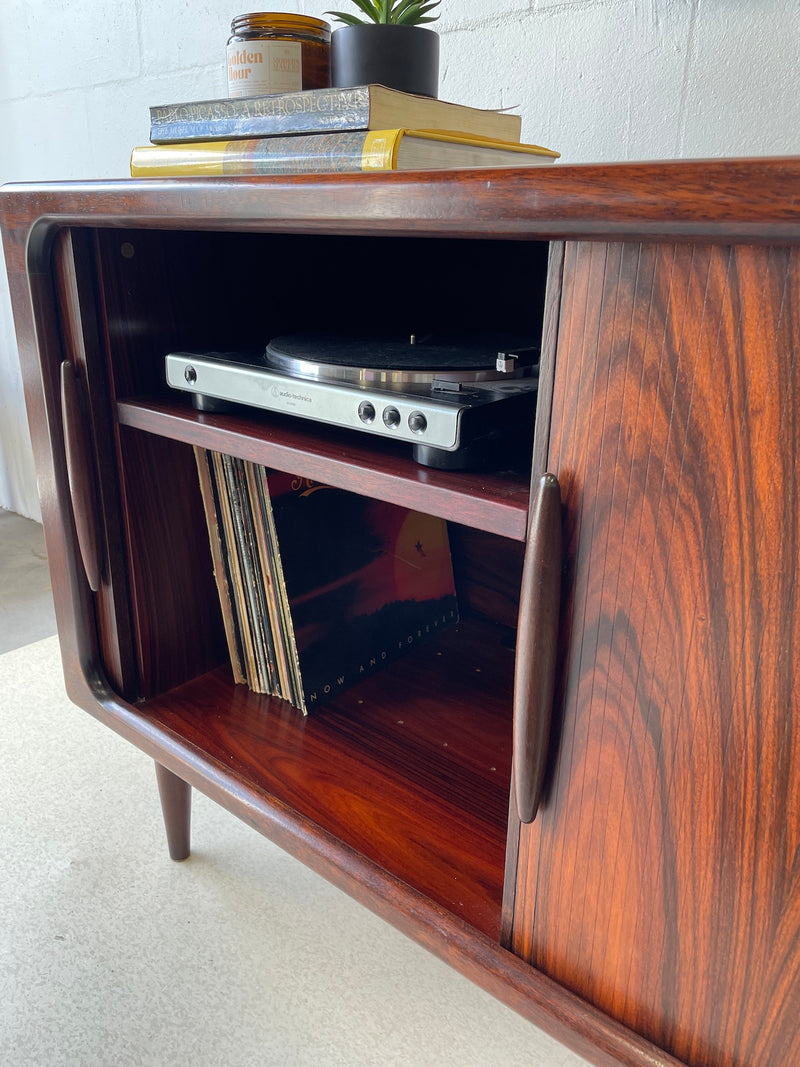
[{"x": 440, "y": 354}]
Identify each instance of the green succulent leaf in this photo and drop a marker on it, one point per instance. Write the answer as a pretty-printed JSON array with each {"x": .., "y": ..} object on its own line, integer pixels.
[
  {"x": 371, "y": 8},
  {"x": 348, "y": 20},
  {"x": 413, "y": 12},
  {"x": 401, "y": 8},
  {"x": 389, "y": 12}
]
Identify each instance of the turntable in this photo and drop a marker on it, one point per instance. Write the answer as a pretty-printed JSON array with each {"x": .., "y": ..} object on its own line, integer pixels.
[{"x": 459, "y": 403}]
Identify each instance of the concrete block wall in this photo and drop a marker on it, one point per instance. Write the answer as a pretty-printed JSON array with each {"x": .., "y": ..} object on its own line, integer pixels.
[{"x": 596, "y": 79}]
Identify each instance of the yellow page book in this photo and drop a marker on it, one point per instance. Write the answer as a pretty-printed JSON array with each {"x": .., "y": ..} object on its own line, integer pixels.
[{"x": 350, "y": 151}]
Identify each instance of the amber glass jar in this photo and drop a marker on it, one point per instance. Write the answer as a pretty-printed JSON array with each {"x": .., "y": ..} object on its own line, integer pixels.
[{"x": 269, "y": 52}]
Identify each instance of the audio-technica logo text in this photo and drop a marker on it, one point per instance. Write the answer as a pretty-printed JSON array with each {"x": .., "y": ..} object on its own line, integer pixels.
[{"x": 288, "y": 394}]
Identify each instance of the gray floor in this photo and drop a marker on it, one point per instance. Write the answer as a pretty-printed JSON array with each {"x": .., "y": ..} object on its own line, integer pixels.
[
  {"x": 26, "y": 600},
  {"x": 113, "y": 956}
]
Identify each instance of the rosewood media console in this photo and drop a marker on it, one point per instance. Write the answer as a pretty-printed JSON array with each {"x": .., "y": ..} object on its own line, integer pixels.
[{"x": 645, "y": 909}]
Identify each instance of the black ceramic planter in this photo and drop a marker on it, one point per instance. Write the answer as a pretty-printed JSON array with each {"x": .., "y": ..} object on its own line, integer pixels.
[{"x": 401, "y": 57}]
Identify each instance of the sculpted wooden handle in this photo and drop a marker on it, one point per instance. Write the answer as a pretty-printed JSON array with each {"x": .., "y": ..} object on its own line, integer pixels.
[
  {"x": 80, "y": 472},
  {"x": 537, "y": 640}
]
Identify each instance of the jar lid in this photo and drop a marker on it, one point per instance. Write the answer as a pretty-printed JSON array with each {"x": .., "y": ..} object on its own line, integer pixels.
[{"x": 278, "y": 21}]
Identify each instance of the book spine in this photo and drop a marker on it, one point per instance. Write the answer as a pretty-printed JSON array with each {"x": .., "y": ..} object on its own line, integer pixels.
[
  {"x": 309, "y": 111},
  {"x": 348, "y": 152}
]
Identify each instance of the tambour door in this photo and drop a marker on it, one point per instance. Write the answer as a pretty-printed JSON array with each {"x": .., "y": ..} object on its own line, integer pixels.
[{"x": 660, "y": 879}]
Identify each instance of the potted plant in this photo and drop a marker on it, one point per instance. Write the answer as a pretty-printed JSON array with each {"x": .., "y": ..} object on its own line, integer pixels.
[{"x": 389, "y": 45}]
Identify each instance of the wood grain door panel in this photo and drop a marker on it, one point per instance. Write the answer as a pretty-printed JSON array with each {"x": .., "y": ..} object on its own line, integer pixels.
[{"x": 661, "y": 879}]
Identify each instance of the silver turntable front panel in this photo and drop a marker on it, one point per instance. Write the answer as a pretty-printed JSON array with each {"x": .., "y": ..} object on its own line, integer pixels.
[{"x": 428, "y": 416}]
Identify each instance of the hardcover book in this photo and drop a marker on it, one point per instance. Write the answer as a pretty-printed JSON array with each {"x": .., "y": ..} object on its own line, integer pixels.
[
  {"x": 334, "y": 152},
  {"x": 362, "y": 107},
  {"x": 331, "y": 585}
]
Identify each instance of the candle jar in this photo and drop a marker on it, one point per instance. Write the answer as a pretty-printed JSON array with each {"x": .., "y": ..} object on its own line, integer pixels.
[{"x": 269, "y": 52}]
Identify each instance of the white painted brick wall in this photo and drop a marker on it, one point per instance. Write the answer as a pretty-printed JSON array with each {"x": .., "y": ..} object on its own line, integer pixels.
[{"x": 596, "y": 79}]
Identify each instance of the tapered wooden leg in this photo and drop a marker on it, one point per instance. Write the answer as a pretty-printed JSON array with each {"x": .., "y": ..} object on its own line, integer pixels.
[{"x": 176, "y": 806}]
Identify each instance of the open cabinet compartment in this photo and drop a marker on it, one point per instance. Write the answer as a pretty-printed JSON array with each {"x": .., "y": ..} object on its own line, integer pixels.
[{"x": 411, "y": 768}]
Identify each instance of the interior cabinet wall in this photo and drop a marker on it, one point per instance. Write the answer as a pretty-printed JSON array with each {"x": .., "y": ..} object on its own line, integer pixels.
[{"x": 661, "y": 880}]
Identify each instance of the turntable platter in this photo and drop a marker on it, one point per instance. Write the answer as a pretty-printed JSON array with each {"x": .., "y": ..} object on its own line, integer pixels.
[{"x": 396, "y": 361}]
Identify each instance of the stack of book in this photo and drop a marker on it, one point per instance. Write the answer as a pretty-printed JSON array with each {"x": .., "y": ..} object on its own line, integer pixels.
[
  {"x": 318, "y": 587},
  {"x": 364, "y": 128}
]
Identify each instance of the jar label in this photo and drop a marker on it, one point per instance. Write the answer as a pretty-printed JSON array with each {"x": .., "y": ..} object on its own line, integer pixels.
[{"x": 257, "y": 68}]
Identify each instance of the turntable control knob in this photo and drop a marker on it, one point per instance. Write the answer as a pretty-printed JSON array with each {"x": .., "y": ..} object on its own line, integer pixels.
[
  {"x": 366, "y": 411},
  {"x": 417, "y": 422},
  {"x": 391, "y": 417}
]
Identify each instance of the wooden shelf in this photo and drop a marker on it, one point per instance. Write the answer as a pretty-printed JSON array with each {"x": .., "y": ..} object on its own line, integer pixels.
[
  {"x": 411, "y": 768},
  {"x": 496, "y": 502}
]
